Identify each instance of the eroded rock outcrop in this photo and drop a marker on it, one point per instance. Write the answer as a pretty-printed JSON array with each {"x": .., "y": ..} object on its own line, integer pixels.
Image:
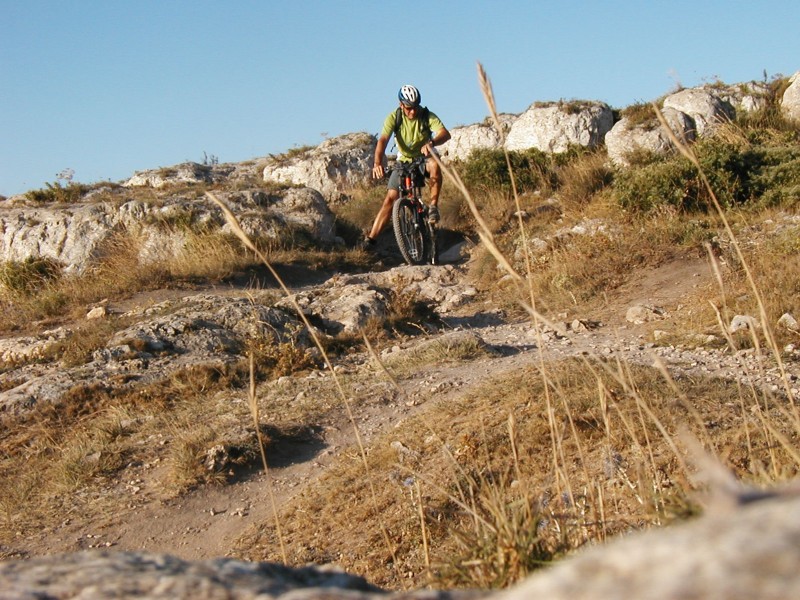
[
  {"x": 348, "y": 302},
  {"x": 744, "y": 97},
  {"x": 199, "y": 331},
  {"x": 188, "y": 172},
  {"x": 208, "y": 330},
  {"x": 703, "y": 106},
  {"x": 465, "y": 140},
  {"x": 74, "y": 235},
  {"x": 334, "y": 167}
]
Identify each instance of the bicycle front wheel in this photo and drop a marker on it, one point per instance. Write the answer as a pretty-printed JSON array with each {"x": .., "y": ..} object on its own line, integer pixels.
[{"x": 409, "y": 234}]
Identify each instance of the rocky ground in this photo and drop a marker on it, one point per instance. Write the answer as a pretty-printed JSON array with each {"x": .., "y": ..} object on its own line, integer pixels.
[{"x": 206, "y": 522}]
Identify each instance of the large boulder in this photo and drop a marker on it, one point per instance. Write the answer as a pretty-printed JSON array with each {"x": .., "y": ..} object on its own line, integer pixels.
[
  {"x": 626, "y": 138},
  {"x": 555, "y": 127},
  {"x": 332, "y": 168},
  {"x": 752, "y": 552},
  {"x": 348, "y": 302},
  {"x": 70, "y": 235},
  {"x": 790, "y": 103},
  {"x": 273, "y": 214},
  {"x": 101, "y": 575},
  {"x": 464, "y": 140},
  {"x": 703, "y": 106}
]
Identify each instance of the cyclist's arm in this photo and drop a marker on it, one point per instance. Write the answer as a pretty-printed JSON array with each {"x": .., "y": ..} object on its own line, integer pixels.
[
  {"x": 437, "y": 138},
  {"x": 439, "y": 133},
  {"x": 440, "y": 137},
  {"x": 380, "y": 153}
]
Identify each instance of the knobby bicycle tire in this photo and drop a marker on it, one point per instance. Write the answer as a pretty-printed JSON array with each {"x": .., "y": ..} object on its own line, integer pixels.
[{"x": 413, "y": 240}]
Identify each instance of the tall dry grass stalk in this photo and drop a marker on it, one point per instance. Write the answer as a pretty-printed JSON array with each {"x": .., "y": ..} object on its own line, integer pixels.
[
  {"x": 253, "y": 402},
  {"x": 248, "y": 243},
  {"x": 524, "y": 282},
  {"x": 488, "y": 94}
]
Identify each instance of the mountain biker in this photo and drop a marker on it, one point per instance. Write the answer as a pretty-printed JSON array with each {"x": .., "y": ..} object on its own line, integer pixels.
[{"x": 416, "y": 133}]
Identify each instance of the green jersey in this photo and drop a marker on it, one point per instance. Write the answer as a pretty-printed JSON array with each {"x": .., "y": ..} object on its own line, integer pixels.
[{"x": 411, "y": 136}]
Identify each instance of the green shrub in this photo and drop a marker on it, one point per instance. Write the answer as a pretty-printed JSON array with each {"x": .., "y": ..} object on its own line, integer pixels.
[
  {"x": 739, "y": 172},
  {"x": 56, "y": 193},
  {"x": 728, "y": 168},
  {"x": 672, "y": 182},
  {"x": 642, "y": 114},
  {"x": 765, "y": 122},
  {"x": 778, "y": 179},
  {"x": 486, "y": 169}
]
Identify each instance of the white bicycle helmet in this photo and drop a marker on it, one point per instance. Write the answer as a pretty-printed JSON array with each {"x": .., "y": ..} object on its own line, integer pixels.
[{"x": 409, "y": 95}]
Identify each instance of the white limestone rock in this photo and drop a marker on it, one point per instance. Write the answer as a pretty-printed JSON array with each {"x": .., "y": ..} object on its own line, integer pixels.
[
  {"x": 554, "y": 127},
  {"x": 790, "y": 103},
  {"x": 624, "y": 138},
  {"x": 332, "y": 168},
  {"x": 465, "y": 140},
  {"x": 703, "y": 106},
  {"x": 75, "y": 235}
]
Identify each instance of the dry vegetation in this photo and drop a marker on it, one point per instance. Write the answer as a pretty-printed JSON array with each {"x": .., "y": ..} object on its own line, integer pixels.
[
  {"x": 486, "y": 487},
  {"x": 522, "y": 470}
]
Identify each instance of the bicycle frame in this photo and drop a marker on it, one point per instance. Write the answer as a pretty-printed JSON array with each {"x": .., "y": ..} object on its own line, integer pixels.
[
  {"x": 415, "y": 235},
  {"x": 412, "y": 178}
]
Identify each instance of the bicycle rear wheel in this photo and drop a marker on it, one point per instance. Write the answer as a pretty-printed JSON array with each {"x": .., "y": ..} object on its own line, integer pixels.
[{"x": 411, "y": 238}]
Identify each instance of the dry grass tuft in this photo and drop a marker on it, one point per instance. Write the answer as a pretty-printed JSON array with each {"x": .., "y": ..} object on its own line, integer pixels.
[{"x": 453, "y": 348}]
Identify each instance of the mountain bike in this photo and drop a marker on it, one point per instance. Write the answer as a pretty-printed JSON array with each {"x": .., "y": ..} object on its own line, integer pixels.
[{"x": 415, "y": 235}]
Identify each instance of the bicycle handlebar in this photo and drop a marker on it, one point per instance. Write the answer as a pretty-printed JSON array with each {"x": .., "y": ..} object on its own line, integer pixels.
[{"x": 402, "y": 166}]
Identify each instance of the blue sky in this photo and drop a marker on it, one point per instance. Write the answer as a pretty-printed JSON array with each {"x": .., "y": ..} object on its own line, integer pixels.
[{"x": 107, "y": 88}]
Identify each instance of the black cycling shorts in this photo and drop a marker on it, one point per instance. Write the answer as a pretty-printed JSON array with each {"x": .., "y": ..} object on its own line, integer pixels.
[{"x": 394, "y": 178}]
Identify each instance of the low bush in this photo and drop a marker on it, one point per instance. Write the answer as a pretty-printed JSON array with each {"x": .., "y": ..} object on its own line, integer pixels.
[
  {"x": 641, "y": 114},
  {"x": 778, "y": 181},
  {"x": 671, "y": 182},
  {"x": 487, "y": 170},
  {"x": 739, "y": 173},
  {"x": 55, "y": 193}
]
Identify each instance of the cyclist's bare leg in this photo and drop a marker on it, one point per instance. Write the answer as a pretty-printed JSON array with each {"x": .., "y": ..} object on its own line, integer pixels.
[
  {"x": 435, "y": 180},
  {"x": 384, "y": 214}
]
